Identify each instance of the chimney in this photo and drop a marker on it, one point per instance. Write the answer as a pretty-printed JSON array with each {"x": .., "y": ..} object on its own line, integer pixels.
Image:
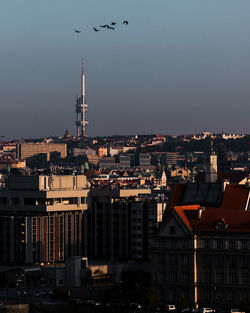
[
  {"x": 224, "y": 183},
  {"x": 199, "y": 212}
]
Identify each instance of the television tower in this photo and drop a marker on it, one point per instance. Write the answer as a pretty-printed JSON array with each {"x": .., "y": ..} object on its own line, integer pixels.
[{"x": 81, "y": 108}]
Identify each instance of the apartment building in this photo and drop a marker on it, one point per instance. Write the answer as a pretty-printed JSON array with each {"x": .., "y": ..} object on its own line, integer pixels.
[
  {"x": 41, "y": 218},
  {"x": 120, "y": 224},
  {"x": 27, "y": 150}
]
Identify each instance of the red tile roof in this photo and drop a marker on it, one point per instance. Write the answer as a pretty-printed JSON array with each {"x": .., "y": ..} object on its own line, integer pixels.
[{"x": 238, "y": 221}]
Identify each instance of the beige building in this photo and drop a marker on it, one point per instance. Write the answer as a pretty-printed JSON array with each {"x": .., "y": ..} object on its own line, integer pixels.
[
  {"x": 41, "y": 218},
  {"x": 27, "y": 150}
]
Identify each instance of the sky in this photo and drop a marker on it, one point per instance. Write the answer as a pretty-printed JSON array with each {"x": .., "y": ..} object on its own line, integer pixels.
[{"x": 178, "y": 67}]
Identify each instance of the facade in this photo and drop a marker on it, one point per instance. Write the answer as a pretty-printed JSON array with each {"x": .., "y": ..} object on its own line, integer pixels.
[
  {"x": 27, "y": 150},
  {"x": 203, "y": 254},
  {"x": 41, "y": 218},
  {"x": 120, "y": 224}
]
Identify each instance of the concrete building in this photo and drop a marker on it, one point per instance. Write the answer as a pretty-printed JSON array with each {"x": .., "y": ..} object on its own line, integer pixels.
[
  {"x": 41, "y": 218},
  {"x": 27, "y": 150},
  {"x": 120, "y": 223}
]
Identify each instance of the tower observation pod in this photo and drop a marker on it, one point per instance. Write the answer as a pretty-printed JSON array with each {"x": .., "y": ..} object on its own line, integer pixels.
[{"x": 81, "y": 108}]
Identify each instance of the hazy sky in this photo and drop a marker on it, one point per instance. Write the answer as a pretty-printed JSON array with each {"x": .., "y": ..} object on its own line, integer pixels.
[{"x": 180, "y": 66}]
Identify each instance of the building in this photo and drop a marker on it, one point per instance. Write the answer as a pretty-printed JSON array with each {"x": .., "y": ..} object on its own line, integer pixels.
[
  {"x": 41, "y": 218},
  {"x": 27, "y": 150},
  {"x": 144, "y": 160},
  {"x": 203, "y": 253},
  {"x": 120, "y": 223}
]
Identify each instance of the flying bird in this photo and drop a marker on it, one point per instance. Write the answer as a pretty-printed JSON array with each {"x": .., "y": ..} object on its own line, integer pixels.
[
  {"x": 77, "y": 31},
  {"x": 125, "y": 22},
  {"x": 95, "y": 29},
  {"x": 113, "y": 23}
]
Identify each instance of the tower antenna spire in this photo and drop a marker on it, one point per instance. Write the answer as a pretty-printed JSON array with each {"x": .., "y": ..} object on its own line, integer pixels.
[
  {"x": 81, "y": 108},
  {"x": 82, "y": 66}
]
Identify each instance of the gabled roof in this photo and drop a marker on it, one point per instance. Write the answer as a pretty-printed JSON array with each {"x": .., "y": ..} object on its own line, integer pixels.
[{"x": 181, "y": 211}]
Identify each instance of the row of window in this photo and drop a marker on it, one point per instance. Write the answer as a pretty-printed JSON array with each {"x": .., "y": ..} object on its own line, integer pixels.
[
  {"x": 43, "y": 201},
  {"x": 204, "y": 244},
  {"x": 173, "y": 259},
  {"x": 174, "y": 243},
  {"x": 172, "y": 276},
  {"x": 220, "y": 294},
  {"x": 223, "y": 244},
  {"x": 222, "y": 260}
]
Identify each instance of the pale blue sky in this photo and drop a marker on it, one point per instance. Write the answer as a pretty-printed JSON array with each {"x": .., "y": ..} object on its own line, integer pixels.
[{"x": 180, "y": 66}]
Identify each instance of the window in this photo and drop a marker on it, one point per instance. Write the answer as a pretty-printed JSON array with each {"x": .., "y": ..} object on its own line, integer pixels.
[
  {"x": 83, "y": 200},
  {"x": 207, "y": 260},
  {"x": 244, "y": 278},
  {"x": 207, "y": 277},
  {"x": 206, "y": 294},
  {"x": 207, "y": 244},
  {"x": 162, "y": 258},
  {"x": 219, "y": 294},
  {"x": 232, "y": 295},
  {"x": 244, "y": 260},
  {"x": 172, "y": 230},
  {"x": 232, "y": 260},
  {"x": 3, "y": 201},
  {"x": 161, "y": 276},
  {"x": 173, "y": 259},
  {"x": 184, "y": 243},
  {"x": 184, "y": 259},
  {"x": 15, "y": 201},
  {"x": 231, "y": 244},
  {"x": 243, "y": 244},
  {"x": 219, "y": 243},
  {"x": 172, "y": 276},
  {"x": 185, "y": 276},
  {"x": 232, "y": 278},
  {"x": 161, "y": 243},
  {"x": 219, "y": 260},
  {"x": 219, "y": 277},
  {"x": 162, "y": 292},
  {"x": 243, "y": 295}
]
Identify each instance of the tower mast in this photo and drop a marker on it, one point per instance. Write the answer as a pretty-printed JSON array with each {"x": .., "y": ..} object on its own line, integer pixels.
[{"x": 81, "y": 108}]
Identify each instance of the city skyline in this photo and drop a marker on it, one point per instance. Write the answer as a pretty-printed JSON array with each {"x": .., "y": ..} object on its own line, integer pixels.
[{"x": 177, "y": 67}]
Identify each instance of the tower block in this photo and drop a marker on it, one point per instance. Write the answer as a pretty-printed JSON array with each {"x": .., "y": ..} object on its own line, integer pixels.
[{"x": 81, "y": 108}]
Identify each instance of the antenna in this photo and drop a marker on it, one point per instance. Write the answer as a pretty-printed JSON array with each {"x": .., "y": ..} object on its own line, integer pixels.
[{"x": 82, "y": 66}]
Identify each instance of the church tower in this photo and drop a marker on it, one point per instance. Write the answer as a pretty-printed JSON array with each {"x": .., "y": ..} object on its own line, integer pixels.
[{"x": 211, "y": 167}]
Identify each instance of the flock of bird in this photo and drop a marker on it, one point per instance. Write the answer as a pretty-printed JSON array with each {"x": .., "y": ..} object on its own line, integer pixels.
[{"x": 111, "y": 26}]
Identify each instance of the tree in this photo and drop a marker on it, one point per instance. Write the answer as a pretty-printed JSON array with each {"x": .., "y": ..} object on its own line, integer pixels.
[{"x": 181, "y": 303}]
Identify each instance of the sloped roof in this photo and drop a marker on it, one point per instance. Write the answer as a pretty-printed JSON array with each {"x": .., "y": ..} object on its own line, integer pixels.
[
  {"x": 234, "y": 177},
  {"x": 235, "y": 197},
  {"x": 238, "y": 221},
  {"x": 205, "y": 194},
  {"x": 181, "y": 211}
]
